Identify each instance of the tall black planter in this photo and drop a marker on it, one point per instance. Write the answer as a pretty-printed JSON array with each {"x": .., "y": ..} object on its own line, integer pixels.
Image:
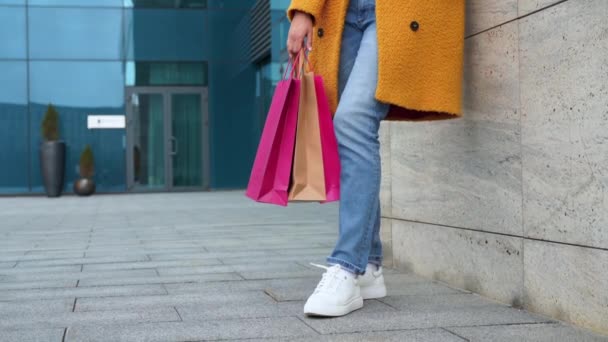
[{"x": 52, "y": 166}]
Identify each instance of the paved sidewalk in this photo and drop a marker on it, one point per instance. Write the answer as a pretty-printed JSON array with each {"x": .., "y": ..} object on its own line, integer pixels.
[{"x": 212, "y": 266}]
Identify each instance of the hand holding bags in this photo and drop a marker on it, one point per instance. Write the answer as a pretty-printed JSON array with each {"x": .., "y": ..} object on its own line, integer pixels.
[{"x": 311, "y": 170}]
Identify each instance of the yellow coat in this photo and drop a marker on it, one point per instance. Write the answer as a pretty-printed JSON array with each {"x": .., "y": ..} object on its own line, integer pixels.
[{"x": 420, "y": 53}]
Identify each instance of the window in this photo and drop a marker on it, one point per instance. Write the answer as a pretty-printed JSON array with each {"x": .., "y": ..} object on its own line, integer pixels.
[
  {"x": 199, "y": 4},
  {"x": 75, "y": 33},
  {"x": 166, "y": 35},
  {"x": 13, "y": 127},
  {"x": 167, "y": 74},
  {"x": 12, "y": 32}
]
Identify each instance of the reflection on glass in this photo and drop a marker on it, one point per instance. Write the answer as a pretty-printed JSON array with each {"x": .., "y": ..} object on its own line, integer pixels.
[
  {"x": 166, "y": 74},
  {"x": 187, "y": 130},
  {"x": 166, "y": 3},
  {"x": 78, "y": 89},
  {"x": 77, "y": 84},
  {"x": 12, "y": 2},
  {"x": 13, "y": 128},
  {"x": 80, "y": 3},
  {"x": 149, "y": 142},
  {"x": 75, "y": 33},
  {"x": 166, "y": 35},
  {"x": 12, "y": 32}
]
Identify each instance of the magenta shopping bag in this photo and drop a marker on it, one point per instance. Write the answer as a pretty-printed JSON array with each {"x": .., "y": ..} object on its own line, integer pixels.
[
  {"x": 271, "y": 172},
  {"x": 329, "y": 144}
]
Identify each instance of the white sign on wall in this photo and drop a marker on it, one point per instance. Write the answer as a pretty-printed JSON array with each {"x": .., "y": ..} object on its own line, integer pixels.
[{"x": 106, "y": 121}]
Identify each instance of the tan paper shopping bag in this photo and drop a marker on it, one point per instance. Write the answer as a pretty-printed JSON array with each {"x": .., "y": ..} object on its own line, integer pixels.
[{"x": 308, "y": 176}]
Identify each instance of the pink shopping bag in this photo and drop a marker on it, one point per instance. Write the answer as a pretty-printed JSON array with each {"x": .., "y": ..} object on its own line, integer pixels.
[
  {"x": 271, "y": 173},
  {"x": 329, "y": 144}
]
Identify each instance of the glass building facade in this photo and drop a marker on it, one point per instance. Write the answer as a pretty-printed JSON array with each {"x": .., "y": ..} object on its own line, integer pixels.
[{"x": 194, "y": 79}]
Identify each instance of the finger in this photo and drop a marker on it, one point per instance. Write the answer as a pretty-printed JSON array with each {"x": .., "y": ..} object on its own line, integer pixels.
[
  {"x": 309, "y": 36},
  {"x": 295, "y": 46}
]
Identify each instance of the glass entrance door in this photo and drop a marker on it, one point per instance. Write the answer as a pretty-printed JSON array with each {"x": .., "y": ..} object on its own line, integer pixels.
[{"x": 167, "y": 139}]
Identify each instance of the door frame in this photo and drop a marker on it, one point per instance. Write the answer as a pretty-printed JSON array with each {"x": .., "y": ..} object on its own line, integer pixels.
[{"x": 167, "y": 93}]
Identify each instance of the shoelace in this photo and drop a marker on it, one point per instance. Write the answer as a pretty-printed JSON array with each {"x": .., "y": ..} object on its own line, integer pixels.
[{"x": 329, "y": 280}]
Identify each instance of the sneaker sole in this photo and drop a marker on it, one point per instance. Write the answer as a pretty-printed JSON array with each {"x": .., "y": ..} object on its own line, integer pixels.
[
  {"x": 373, "y": 291},
  {"x": 336, "y": 311}
]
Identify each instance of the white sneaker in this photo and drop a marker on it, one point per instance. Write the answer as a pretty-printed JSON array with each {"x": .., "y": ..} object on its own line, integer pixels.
[
  {"x": 372, "y": 283},
  {"x": 337, "y": 294}
]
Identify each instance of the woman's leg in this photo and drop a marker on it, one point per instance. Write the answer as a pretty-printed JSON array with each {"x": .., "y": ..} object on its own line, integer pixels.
[
  {"x": 375, "y": 255},
  {"x": 357, "y": 122}
]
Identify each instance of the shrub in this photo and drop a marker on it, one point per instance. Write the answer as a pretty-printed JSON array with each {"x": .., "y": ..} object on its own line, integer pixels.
[
  {"x": 50, "y": 124},
  {"x": 87, "y": 163}
]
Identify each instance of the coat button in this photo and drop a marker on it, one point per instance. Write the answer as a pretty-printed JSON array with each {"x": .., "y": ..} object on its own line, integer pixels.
[
  {"x": 320, "y": 33},
  {"x": 414, "y": 26}
]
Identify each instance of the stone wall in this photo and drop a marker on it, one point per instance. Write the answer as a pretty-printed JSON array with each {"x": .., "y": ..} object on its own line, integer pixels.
[{"x": 511, "y": 202}]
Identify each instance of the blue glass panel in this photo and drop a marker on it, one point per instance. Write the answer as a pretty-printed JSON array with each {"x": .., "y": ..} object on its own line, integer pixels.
[
  {"x": 13, "y": 127},
  {"x": 166, "y": 3},
  {"x": 79, "y": 3},
  {"x": 280, "y": 5},
  {"x": 279, "y": 32},
  {"x": 75, "y": 33},
  {"x": 12, "y": 32},
  {"x": 166, "y": 74},
  {"x": 166, "y": 35},
  {"x": 230, "y": 38},
  {"x": 233, "y": 129},
  {"x": 230, "y": 4},
  {"x": 78, "y": 89},
  {"x": 12, "y": 2}
]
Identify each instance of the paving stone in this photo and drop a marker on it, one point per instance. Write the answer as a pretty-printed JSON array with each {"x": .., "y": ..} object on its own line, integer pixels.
[
  {"x": 37, "y": 284},
  {"x": 9, "y": 264},
  {"x": 279, "y": 274},
  {"x": 41, "y": 256},
  {"x": 438, "y": 302},
  {"x": 36, "y": 307},
  {"x": 399, "y": 320},
  {"x": 99, "y": 291},
  {"x": 44, "y": 270},
  {"x": 8, "y": 256},
  {"x": 208, "y": 255},
  {"x": 301, "y": 246},
  {"x": 528, "y": 333},
  {"x": 70, "y": 319},
  {"x": 81, "y": 261},
  {"x": 196, "y": 278},
  {"x": 300, "y": 290},
  {"x": 422, "y": 335},
  {"x": 80, "y": 275},
  {"x": 220, "y": 286},
  {"x": 212, "y": 311},
  {"x": 144, "y": 252},
  {"x": 60, "y": 247},
  {"x": 273, "y": 267},
  {"x": 175, "y": 237},
  {"x": 144, "y": 301},
  {"x": 32, "y": 335},
  {"x": 286, "y": 327},
  {"x": 319, "y": 259},
  {"x": 150, "y": 264}
]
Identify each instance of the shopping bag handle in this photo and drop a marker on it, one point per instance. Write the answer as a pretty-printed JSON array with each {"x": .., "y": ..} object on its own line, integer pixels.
[
  {"x": 301, "y": 63},
  {"x": 291, "y": 63}
]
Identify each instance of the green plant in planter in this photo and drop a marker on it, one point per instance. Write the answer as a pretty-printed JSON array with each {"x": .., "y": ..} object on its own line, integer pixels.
[
  {"x": 87, "y": 163},
  {"x": 85, "y": 186},
  {"x": 52, "y": 153},
  {"x": 50, "y": 124}
]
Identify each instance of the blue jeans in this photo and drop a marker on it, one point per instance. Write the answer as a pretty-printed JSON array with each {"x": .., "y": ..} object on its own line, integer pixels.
[{"x": 356, "y": 122}]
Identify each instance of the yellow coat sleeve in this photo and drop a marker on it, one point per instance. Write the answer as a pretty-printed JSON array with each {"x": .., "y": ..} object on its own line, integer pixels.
[{"x": 312, "y": 7}]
